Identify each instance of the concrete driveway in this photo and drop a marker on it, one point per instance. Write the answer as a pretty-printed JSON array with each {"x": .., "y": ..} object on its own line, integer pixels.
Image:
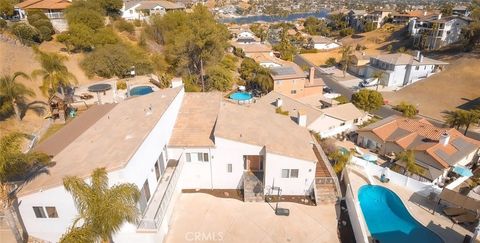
[{"x": 201, "y": 217}]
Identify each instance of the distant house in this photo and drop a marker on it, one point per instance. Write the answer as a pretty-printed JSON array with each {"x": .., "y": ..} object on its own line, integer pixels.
[
  {"x": 437, "y": 150},
  {"x": 461, "y": 11},
  {"x": 327, "y": 122},
  {"x": 402, "y": 69},
  {"x": 323, "y": 43},
  {"x": 54, "y": 9},
  {"x": 406, "y": 17},
  {"x": 359, "y": 63},
  {"x": 358, "y": 18},
  {"x": 436, "y": 32},
  {"x": 143, "y": 9}
]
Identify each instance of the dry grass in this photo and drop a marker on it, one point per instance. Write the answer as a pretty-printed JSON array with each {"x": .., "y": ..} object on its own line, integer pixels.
[
  {"x": 447, "y": 90},
  {"x": 375, "y": 41}
]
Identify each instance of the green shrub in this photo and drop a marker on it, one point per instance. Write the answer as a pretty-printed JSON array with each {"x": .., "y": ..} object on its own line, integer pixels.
[
  {"x": 35, "y": 15},
  {"x": 26, "y": 33},
  {"x": 303, "y": 51},
  {"x": 123, "y": 25},
  {"x": 121, "y": 84},
  {"x": 3, "y": 24},
  {"x": 45, "y": 33},
  {"x": 346, "y": 32},
  {"x": 279, "y": 110},
  {"x": 331, "y": 61},
  {"x": 92, "y": 19}
]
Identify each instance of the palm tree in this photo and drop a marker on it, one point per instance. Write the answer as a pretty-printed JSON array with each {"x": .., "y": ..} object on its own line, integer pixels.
[
  {"x": 378, "y": 75},
  {"x": 54, "y": 73},
  {"x": 347, "y": 52},
  {"x": 411, "y": 166},
  {"x": 14, "y": 92},
  {"x": 453, "y": 119},
  {"x": 469, "y": 117},
  {"x": 17, "y": 169},
  {"x": 101, "y": 209}
]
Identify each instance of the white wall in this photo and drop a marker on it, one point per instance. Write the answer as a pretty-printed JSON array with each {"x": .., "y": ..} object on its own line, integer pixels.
[
  {"x": 195, "y": 174},
  {"x": 290, "y": 186},
  {"x": 329, "y": 126},
  {"x": 324, "y": 46},
  {"x": 139, "y": 168},
  {"x": 131, "y": 13}
]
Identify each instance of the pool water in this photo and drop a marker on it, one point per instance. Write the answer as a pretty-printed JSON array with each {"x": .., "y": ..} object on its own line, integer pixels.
[
  {"x": 240, "y": 96},
  {"x": 388, "y": 220},
  {"x": 141, "y": 90}
]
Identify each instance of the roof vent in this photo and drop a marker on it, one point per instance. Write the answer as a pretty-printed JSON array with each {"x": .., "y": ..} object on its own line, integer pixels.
[
  {"x": 302, "y": 119},
  {"x": 444, "y": 138}
]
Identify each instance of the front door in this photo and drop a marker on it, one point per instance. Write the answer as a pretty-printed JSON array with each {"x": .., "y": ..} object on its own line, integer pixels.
[{"x": 255, "y": 163}]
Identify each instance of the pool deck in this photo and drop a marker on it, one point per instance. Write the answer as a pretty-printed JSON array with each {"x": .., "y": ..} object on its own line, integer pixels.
[{"x": 419, "y": 207}]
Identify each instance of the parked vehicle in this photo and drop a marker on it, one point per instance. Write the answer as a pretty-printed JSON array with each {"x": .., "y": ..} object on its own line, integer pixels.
[
  {"x": 327, "y": 90},
  {"x": 368, "y": 83}
]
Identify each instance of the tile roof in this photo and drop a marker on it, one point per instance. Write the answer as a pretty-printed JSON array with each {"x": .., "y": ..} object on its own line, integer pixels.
[
  {"x": 110, "y": 142},
  {"x": 344, "y": 112},
  {"x": 152, "y": 4},
  {"x": 288, "y": 104},
  {"x": 196, "y": 120},
  {"x": 405, "y": 59},
  {"x": 254, "y": 125},
  {"x": 322, "y": 40},
  {"x": 252, "y": 47},
  {"x": 420, "y": 135},
  {"x": 44, "y": 4}
]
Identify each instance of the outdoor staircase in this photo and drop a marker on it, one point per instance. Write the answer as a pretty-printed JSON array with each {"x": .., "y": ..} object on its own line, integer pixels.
[
  {"x": 325, "y": 193},
  {"x": 253, "y": 187}
]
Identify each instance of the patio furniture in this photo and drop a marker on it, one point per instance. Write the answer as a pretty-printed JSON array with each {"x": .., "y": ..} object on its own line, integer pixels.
[
  {"x": 454, "y": 211},
  {"x": 465, "y": 218}
]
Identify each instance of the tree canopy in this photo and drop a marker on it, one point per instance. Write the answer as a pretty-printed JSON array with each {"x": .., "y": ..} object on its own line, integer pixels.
[
  {"x": 13, "y": 92},
  {"x": 256, "y": 76},
  {"x": 407, "y": 109},
  {"x": 314, "y": 26},
  {"x": 367, "y": 100}
]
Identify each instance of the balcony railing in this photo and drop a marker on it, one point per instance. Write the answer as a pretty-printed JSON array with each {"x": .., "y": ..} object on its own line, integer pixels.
[
  {"x": 55, "y": 15},
  {"x": 158, "y": 205}
]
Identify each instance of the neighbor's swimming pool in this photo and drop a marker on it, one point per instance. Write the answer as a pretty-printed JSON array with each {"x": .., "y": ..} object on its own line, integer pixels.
[
  {"x": 241, "y": 96},
  {"x": 388, "y": 220},
  {"x": 141, "y": 90}
]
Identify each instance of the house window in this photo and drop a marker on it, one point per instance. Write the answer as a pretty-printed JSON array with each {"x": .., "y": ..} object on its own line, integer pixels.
[
  {"x": 51, "y": 212},
  {"x": 293, "y": 91},
  {"x": 203, "y": 157},
  {"x": 131, "y": 11},
  {"x": 285, "y": 173},
  {"x": 189, "y": 157},
  {"x": 294, "y": 173},
  {"x": 355, "y": 121},
  {"x": 342, "y": 124},
  {"x": 157, "y": 171},
  {"x": 39, "y": 212},
  {"x": 229, "y": 168},
  {"x": 417, "y": 67}
]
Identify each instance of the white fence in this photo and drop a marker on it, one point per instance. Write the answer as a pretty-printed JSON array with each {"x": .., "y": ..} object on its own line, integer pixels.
[
  {"x": 422, "y": 188},
  {"x": 355, "y": 214}
]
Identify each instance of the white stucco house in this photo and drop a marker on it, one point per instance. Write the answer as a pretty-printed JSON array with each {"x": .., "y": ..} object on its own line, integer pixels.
[
  {"x": 324, "y": 43},
  {"x": 327, "y": 122},
  {"x": 144, "y": 9},
  {"x": 401, "y": 69},
  {"x": 436, "y": 31},
  {"x": 167, "y": 141}
]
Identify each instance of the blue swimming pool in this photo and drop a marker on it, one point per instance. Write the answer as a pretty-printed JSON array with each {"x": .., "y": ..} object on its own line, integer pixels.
[
  {"x": 388, "y": 220},
  {"x": 141, "y": 90},
  {"x": 240, "y": 96}
]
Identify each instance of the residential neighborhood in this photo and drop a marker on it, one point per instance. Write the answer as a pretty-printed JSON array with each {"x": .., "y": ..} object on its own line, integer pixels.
[{"x": 239, "y": 121}]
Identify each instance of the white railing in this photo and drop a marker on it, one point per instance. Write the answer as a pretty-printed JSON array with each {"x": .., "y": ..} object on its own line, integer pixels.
[
  {"x": 55, "y": 15},
  {"x": 357, "y": 220},
  {"x": 422, "y": 188},
  {"x": 155, "y": 222}
]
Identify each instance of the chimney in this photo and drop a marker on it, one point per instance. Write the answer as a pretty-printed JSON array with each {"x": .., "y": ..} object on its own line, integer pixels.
[
  {"x": 420, "y": 59},
  {"x": 279, "y": 103},
  {"x": 439, "y": 16},
  {"x": 311, "y": 75},
  {"x": 444, "y": 138},
  {"x": 302, "y": 119},
  {"x": 425, "y": 13}
]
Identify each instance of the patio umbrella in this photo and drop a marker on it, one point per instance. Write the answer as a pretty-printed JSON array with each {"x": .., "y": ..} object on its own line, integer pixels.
[{"x": 463, "y": 171}]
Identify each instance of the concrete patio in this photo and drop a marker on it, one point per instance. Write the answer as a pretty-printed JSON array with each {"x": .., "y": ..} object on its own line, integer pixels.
[
  {"x": 199, "y": 217},
  {"x": 420, "y": 207}
]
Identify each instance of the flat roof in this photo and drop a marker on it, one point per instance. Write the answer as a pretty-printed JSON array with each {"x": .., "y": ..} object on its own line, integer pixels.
[
  {"x": 344, "y": 112},
  {"x": 196, "y": 120},
  {"x": 67, "y": 134},
  {"x": 257, "y": 126},
  {"x": 110, "y": 142}
]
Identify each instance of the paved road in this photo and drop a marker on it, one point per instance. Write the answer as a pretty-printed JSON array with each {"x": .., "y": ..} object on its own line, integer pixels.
[{"x": 383, "y": 112}]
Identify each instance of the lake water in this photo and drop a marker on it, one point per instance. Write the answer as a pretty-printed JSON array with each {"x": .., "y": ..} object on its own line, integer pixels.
[{"x": 266, "y": 18}]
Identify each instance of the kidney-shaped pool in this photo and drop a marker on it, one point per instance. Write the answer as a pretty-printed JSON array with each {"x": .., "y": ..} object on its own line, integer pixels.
[{"x": 388, "y": 220}]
